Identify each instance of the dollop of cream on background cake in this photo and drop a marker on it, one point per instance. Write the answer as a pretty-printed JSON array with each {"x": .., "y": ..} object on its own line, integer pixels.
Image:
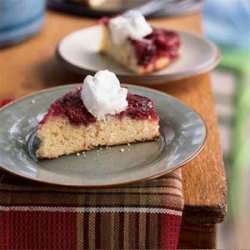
[{"x": 130, "y": 25}]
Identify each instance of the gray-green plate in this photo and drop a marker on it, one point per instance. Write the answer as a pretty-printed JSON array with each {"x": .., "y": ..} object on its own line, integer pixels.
[
  {"x": 79, "y": 51},
  {"x": 183, "y": 134}
]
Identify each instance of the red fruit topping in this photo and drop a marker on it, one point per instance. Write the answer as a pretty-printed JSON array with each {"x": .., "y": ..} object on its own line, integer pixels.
[
  {"x": 159, "y": 43},
  {"x": 72, "y": 107},
  {"x": 5, "y": 102}
]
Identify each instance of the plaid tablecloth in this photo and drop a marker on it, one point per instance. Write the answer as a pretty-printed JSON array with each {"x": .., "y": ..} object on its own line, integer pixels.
[
  {"x": 142, "y": 216},
  {"x": 139, "y": 216}
]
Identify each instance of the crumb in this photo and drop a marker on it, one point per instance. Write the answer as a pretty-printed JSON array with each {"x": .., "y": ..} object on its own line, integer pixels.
[
  {"x": 78, "y": 154},
  {"x": 100, "y": 149},
  {"x": 129, "y": 150},
  {"x": 122, "y": 149},
  {"x": 32, "y": 101},
  {"x": 129, "y": 144}
]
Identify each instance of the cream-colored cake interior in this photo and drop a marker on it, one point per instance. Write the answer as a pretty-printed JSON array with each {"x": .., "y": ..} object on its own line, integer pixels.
[
  {"x": 122, "y": 54},
  {"x": 59, "y": 137}
]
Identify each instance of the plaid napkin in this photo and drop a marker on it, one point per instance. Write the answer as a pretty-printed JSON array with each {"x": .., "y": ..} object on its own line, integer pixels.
[{"x": 146, "y": 215}]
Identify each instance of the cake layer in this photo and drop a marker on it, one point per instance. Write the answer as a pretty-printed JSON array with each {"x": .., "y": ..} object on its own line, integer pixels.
[
  {"x": 124, "y": 55},
  {"x": 153, "y": 53},
  {"x": 60, "y": 137}
]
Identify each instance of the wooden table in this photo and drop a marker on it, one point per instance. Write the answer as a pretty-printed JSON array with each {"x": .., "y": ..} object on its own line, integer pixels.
[{"x": 31, "y": 66}]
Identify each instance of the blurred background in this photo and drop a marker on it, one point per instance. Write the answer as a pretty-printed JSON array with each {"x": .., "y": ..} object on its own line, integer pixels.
[{"x": 227, "y": 23}]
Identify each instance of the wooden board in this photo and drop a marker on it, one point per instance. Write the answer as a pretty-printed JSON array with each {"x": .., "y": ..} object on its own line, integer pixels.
[
  {"x": 31, "y": 66},
  {"x": 197, "y": 237}
]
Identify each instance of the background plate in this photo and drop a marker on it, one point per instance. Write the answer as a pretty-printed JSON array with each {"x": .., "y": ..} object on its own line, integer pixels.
[
  {"x": 79, "y": 52},
  {"x": 183, "y": 133},
  {"x": 110, "y": 8}
]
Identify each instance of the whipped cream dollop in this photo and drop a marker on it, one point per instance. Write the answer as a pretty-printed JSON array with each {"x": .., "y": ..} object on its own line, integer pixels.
[
  {"x": 103, "y": 95},
  {"x": 130, "y": 25}
]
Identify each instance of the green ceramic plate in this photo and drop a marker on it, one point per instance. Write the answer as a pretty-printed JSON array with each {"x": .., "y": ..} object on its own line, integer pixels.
[{"x": 183, "y": 134}]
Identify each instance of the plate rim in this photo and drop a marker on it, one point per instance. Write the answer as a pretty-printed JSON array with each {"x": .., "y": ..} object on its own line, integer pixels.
[
  {"x": 159, "y": 174},
  {"x": 146, "y": 79}
]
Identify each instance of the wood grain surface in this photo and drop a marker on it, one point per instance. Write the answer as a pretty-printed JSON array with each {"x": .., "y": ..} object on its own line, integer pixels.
[
  {"x": 197, "y": 237},
  {"x": 31, "y": 66}
]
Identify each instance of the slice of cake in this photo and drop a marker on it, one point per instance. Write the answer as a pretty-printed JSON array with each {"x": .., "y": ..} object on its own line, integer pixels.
[
  {"x": 100, "y": 113},
  {"x": 132, "y": 42}
]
